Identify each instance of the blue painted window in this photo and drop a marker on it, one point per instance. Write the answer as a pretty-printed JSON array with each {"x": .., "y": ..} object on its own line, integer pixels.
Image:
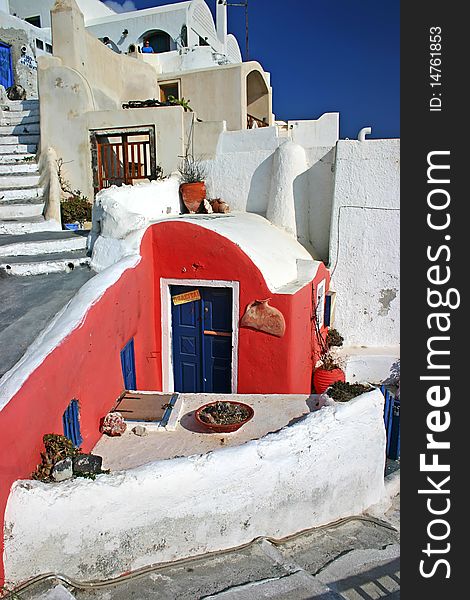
[
  {"x": 128, "y": 366},
  {"x": 71, "y": 422}
]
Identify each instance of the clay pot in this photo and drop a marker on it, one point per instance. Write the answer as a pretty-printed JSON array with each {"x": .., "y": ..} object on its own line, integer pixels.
[
  {"x": 322, "y": 378},
  {"x": 193, "y": 194},
  {"x": 224, "y": 428}
]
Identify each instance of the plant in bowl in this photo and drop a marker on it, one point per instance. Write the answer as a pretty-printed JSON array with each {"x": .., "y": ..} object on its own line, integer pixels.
[
  {"x": 327, "y": 371},
  {"x": 75, "y": 210},
  {"x": 328, "y": 368},
  {"x": 192, "y": 188},
  {"x": 224, "y": 416}
]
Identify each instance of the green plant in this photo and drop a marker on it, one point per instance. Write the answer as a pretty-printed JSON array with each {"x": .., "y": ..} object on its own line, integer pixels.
[
  {"x": 341, "y": 391},
  {"x": 192, "y": 170},
  {"x": 75, "y": 209},
  {"x": 57, "y": 447},
  {"x": 181, "y": 101}
]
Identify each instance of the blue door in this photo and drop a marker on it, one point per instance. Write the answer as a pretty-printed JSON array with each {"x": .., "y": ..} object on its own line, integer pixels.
[
  {"x": 128, "y": 366},
  {"x": 202, "y": 340},
  {"x": 6, "y": 66}
]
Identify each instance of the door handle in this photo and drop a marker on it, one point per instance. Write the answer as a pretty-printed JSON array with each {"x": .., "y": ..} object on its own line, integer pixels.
[{"x": 219, "y": 333}]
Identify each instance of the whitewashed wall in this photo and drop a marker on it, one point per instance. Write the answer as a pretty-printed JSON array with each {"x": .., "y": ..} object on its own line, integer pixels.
[
  {"x": 365, "y": 241},
  {"x": 245, "y": 173},
  {"x": 328, "y": 466}
]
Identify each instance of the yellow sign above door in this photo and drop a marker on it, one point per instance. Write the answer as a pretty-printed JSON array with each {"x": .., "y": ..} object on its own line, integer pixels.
[{"x": 186, "y": 297}]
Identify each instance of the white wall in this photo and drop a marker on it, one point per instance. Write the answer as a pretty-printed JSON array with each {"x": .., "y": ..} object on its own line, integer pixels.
[
  {"x": 243, "y": 173},
  {"x": 365, "y": 241},
  {"x": 327, "y": 466},
  {"x": 91, "y": 9},
  {"x": 19, "y": 33}
]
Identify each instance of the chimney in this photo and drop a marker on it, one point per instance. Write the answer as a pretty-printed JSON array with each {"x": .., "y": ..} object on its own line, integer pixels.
[{"x": 221, "y": 20}]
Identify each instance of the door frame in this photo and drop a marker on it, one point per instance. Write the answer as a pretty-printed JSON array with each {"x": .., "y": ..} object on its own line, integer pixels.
[{"x": 167, "y": 329}]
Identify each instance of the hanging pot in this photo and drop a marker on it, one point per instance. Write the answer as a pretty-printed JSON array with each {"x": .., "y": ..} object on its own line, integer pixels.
[
  {"x": 193, "y": 194},
  {"x": 323, "y": 378}
]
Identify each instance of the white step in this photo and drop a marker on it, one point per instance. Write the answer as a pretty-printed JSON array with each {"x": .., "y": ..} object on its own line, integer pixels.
[
  {"x": 20, "y": 129},
  {"x": 41, "y": 243},
  {"x": 22, "y": 226},
  {"x": 18, "y": 168},
  {"x": 17, "y": 149},
  {"x": 21, "y": 266},
  {"x": 12, "y": 211},
  {"x": 12, "y": 195},
  {"x": 10, "y": 181},
  {"x": 15, "y": 159},
  {"x": 19, "y": 105},
  {"x": 22, "y": 138},
  {"x": 26, "y": 117}
]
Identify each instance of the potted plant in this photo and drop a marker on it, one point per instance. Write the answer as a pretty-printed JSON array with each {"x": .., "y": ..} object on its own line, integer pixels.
[
  {"x": 192, "y": 188},
  {"x": 328, "y": 369},
  {"x": 74, "y": 211},
  {"x": 224, "y": 416}
]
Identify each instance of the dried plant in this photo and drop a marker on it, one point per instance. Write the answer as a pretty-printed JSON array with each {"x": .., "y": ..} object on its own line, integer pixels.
[{"x": 192, "y": 170}]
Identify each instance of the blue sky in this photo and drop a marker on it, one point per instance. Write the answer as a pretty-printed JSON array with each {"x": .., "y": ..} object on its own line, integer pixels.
[{"x": 324, "y": 56}]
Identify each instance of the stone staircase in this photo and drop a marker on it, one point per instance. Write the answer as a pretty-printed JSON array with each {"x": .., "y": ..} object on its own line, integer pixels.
[{"x": 29, "y": 244}]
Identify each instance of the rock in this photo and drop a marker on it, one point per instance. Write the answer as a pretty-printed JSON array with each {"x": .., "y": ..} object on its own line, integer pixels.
[
  {"x": 219, "y": 206},
  {"x": 113, "y": 424},
  {"x": 140, "y": 430},
  {"x": 87, "y": 463},
  {"x": 62, "y": 470}
]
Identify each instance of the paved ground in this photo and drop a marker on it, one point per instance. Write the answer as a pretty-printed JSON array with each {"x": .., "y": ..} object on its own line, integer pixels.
[
  {"x": 355, "y": 560},
  {"x": 187, "y": 437},
  {"x": 27, "y": 304}
]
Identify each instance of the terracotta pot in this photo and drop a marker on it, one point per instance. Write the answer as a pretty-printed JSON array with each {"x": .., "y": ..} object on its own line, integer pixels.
[
  {"x": 193, "y": 194},
  {"x": 322, "y": 379},
  {"x": 223, "y": 428}
]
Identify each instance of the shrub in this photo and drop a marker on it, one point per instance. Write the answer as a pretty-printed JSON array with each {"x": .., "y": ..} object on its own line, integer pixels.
[{"x": 76, "y": 208}]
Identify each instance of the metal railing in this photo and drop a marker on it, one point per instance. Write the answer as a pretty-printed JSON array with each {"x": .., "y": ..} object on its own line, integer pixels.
[{"x": 252, "y": 122}]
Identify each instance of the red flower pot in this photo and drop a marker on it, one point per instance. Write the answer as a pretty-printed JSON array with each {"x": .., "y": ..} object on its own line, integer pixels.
[
  {"x": 224, "y": 428},
  {"x": 193, "y": 194},
  {"x": 322, "y": 379}
]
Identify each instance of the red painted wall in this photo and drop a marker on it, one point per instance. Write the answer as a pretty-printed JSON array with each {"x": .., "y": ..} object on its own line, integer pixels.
[
  {"x": 266, "y": 364},
  {"x": 86, "y": 366}
]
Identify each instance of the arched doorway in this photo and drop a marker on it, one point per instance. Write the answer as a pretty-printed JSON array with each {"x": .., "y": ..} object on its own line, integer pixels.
[
  {"x": 257, "y": 101},
  {"x": 159, "y": 40}
]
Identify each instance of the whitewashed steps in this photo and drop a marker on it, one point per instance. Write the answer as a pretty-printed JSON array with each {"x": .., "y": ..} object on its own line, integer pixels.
[
  {"x": 41, "y": 264},
  {"x": 43, "y": 242},
  {"x": 17, "y": 148},
  {"x": 18, "y": 159},
  {"x": 27, "y": 117},
  {"x": 21, "y": 167},
  {"x": 22, "y": 225},
  {"x": 15, "y": 180},
  {"x": 12, "y": 211},
  {"x": 21, "y": 139},
  {"x": 19, "y": 194},
  {"x": 19, "y": 129},
  {"x": 20, "y": 105}
]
